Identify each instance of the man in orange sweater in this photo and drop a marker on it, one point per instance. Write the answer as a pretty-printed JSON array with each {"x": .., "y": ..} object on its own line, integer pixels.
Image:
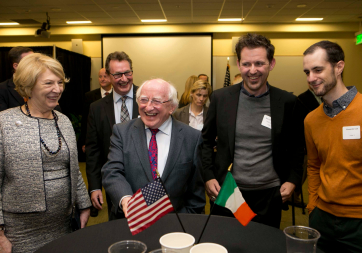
[{"x": 334, "y": 147}]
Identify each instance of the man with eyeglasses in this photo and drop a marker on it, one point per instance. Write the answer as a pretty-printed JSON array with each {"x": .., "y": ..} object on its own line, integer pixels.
[
  {"x": 155, "y": 143},
  {"x": 118, "y": 107},
  {"x": 258, "y": 132}
]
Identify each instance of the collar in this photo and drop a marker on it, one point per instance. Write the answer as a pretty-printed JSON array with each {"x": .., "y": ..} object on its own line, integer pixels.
[
  {"x": 344, "y": 100},
  {"x": 117, "y": 97},
  {"x": 104, "y": 91},
  {"x": 243, "y": 90},
  {"x": 166, "y": 127},
  {"x": 190, "y": 112}
]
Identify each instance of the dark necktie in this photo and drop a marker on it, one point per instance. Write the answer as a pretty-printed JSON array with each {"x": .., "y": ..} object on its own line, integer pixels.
[
  {"x": 152, "y": 153},
  {"x": 106, "y": 93},
  {"x": 124, "y": 111}
]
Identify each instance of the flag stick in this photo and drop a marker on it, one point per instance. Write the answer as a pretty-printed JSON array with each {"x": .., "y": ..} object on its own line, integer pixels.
[
  {"x": 207, "y": 221},
  {"x": 171, "y": 202},
  {"x": 208, "y": 218}
]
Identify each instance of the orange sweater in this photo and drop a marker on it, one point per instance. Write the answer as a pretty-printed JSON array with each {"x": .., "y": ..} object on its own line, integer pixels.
[{"x": 335, "y": 164}]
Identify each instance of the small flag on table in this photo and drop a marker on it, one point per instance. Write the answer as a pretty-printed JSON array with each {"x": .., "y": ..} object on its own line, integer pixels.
[
  {"x": 148, "y": 205},
  {"x": 231, "y": 198}
]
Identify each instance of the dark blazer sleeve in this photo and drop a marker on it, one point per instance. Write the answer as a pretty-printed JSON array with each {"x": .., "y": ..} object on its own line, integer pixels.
[
  {"x": 4, "y": 96},
  {"x": 93, "y": 150}
]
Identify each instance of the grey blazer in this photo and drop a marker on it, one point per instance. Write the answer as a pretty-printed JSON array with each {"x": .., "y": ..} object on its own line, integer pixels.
[
  {"x": 128, "y": 168},
  {"x": 183, "y": 114},
  {"x": 21, "y": 171}
]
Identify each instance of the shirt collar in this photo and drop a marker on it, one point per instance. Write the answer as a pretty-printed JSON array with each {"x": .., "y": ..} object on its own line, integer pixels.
[
  {"x": 117, "y": 97},
  {"x": 104, "y": 91},
  {"x": 243, "y": 90},
  {"x": 166, "y": 127},
  {"x": 344, "y": 100},
  {"x": 193, "y": 113}
]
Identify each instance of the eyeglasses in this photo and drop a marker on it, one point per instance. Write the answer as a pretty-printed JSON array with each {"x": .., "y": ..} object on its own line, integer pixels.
[
  {"x": 119, "y": 75},
  {"x": 155, "y": 102}
]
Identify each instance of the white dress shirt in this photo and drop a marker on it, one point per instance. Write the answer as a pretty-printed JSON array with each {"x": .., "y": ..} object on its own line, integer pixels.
[
  {"x": 103, "y": 92},
  {"x": 163, "y": 139},
  {"x": 196, "y": 122},
  {"x": 118, "y": 104}
]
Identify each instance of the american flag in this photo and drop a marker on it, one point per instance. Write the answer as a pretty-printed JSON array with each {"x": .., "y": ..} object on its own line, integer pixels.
[
  {"x": 147, "y": 205},
  {"x": 227, "y": 76}
]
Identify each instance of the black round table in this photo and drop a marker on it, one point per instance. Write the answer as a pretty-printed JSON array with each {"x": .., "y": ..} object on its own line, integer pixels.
[{"x": 254, "y": 238}]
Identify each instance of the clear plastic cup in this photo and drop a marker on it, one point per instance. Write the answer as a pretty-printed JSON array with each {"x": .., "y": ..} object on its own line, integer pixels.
[
  {"x": 127, "y": 246},
  {"x": 301, "y": 239}
]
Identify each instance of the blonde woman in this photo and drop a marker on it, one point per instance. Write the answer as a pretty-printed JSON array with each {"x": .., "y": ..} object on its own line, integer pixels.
[
  {"x": 194, "y": 114},
  {"x": 185, "y": 98},
  {"x": 40, "y": 180}
]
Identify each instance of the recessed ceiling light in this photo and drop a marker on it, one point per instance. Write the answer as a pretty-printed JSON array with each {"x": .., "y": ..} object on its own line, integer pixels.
[
  {"x": 308, "y": 19},
  {"x": 301, "y": 5},
  {"x": 79, "y": 22},
  {"x": 230, "y": 19},
  {"x": 9, "y": 23},
  {"x": 153, "y": 20},
  {"x": 55, "y": 9}
]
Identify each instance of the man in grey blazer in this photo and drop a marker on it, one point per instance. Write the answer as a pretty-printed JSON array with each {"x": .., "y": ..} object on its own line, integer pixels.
[{"x": 178, "y": 152}]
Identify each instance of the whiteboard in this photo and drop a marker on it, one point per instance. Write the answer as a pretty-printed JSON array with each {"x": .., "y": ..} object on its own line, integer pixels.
[{"x": 172, "y": 58}]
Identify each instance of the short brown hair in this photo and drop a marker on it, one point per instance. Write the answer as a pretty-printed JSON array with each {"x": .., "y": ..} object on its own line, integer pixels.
[
  {"x": 254, "y": 41},
  {"x": 29, "y": 70},
  {"x": 15, "y": 54},
  {"x": 119, "y": 56},
  {"x": 200, "y": 84}
]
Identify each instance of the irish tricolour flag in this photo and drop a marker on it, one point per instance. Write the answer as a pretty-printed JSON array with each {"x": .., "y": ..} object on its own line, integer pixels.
[{"x": 230, "y": 197}]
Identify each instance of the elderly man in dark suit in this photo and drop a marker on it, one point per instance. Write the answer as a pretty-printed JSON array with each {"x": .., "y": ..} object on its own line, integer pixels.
[
  {"x": 118, "y": 107},
  {"x": 130, "y": 165},
  {"x": 259, "y": 131},
  {"x": 9, "y": 97}
]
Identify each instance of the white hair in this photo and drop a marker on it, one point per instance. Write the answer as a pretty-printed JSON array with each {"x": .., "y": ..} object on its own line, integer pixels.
[{"x": 172, "y": 94}]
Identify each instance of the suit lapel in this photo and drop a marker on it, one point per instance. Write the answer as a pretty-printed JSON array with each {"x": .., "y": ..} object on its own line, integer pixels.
[
  {"x": 175, "y": 148},
  {"x": 135, "y": 105},
  {"x": 185, "y": 116},
  {"x": 14, "y": 93},
  {"x": 109, "y": 108},
  {"x": 276, "y": 111},
  {"x": 232, "y": 106},
  {"x": 139, "y": 138}
]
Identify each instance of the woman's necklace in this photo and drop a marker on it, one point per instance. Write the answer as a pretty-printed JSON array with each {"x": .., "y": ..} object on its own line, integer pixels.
[{"x": 58, "y": 132}]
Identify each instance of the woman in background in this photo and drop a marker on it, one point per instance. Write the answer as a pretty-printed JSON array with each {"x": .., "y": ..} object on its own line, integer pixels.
[
  {"x": 185, "y": 98},
  {"x": 40, "y": 181},
  {"x": 194, "y": 114}
]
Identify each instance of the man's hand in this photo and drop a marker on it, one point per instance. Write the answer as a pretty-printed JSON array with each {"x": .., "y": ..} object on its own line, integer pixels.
[
  {"x": 97, "y": 199},
  {"x": 286, "y": 191},
  {"x": 84, "y": 216},
  {"x": 5, "y": 244},
  {"x": 124, "y": 205},
  {"x": 83, "y": 148},
  {"x": 212, "y": 189}
]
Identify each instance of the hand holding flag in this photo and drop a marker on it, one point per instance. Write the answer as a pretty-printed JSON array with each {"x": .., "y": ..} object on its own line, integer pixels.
[
  {"x": 231, "y": 198},
  {"x": 147, "y": 206}
]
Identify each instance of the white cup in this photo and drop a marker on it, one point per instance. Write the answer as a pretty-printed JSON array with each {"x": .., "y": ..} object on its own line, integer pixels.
[
  {"x": 209, "y": 248},
  {"x": 178, "y": 242}
]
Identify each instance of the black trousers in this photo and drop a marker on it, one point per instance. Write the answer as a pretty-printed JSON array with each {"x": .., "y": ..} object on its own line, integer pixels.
[
  {"x": 267, "y": 204},
  {"x": 338, "y": 234}
]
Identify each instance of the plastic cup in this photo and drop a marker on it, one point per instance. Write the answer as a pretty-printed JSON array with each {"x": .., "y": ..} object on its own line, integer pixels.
[
  {"x": 178, "y": 242},
  {"x": 209, "y": 248},
  {"x": 128, "y": 246},
  {"x": 301, "y": 239}
]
